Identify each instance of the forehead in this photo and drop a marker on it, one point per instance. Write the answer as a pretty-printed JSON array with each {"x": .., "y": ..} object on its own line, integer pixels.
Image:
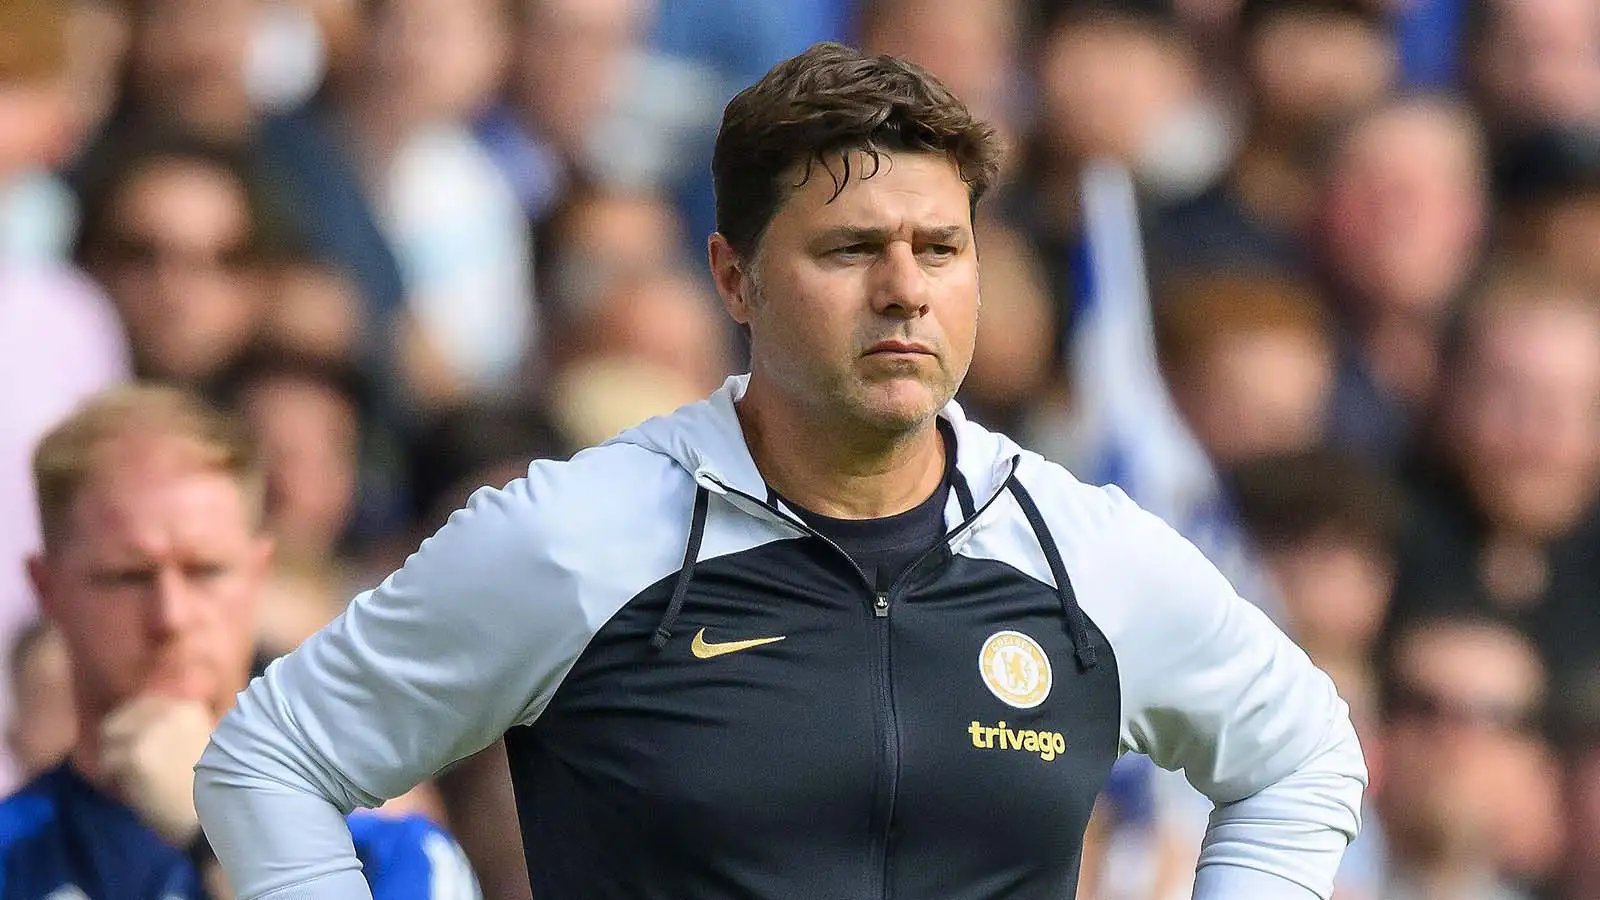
[
  {"x": 159, "y": 508},
  {"x": 190, "y": 184},
  {"x": 1473, "y": 662},
  {"x": 1436, "y": 132},
  {"x": 1553, "y": 333},
  {"x": 893, "y": 189}
]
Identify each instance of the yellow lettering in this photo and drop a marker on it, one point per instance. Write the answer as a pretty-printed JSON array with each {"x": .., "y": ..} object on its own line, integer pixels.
[{"x": 1048, "y": 744}]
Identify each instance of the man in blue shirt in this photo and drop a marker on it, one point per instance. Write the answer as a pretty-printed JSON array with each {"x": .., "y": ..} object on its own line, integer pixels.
[{"x": 152, "y": 569}]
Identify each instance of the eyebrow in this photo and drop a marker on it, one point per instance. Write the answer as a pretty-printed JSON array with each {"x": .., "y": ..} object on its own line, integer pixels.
[{"x": 852, "y": 234}]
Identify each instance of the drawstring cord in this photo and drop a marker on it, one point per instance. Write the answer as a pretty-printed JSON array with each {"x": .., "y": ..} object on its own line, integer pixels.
[
  {"x": 680, "y": 590},
  {"x": 1077, "y": 621}
]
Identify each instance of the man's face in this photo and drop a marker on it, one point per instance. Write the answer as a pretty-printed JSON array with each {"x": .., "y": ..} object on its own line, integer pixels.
[
  {"x": 1541, "y": 61},
  {"x": 1459, "y": 748},
  {"x": 1258, "y": 393},
  {"x": 1310, "y": 69},
  {"x": 308, "y": 436},
  {"x": 177, "y": 267},
  {"x": 864, "y": 309},
  {"x": 1406, "y": 210},
  {"x": 573, "y": 63},
  {"x": 154, "y": 583},
  {"x": 1527, "y": 418}
]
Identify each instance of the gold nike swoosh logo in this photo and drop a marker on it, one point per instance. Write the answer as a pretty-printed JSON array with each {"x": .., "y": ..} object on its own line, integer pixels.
[{"x": 704, "y": 650}]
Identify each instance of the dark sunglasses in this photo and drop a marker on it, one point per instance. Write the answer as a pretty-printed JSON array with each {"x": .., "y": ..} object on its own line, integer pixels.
[
  {"x": 147, "y": 253},
  {"x": 1439, "y": 710}
]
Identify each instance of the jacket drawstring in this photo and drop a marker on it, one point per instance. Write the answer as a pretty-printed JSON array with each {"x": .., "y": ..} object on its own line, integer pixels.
[
  {"x": 691, "y": 552},
  {"x": 1077, "y": 620}
]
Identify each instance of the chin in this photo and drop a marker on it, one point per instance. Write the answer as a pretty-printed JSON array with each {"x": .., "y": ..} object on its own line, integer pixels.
[{"x": 898, "y": 408}]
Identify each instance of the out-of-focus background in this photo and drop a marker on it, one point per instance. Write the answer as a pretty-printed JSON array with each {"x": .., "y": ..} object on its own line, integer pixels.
[{"x": 1315, "y": 280}]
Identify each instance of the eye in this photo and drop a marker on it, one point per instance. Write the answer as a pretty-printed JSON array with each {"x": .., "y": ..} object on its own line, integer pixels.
[
  {"x": 123, "y": 578},
  {"x": 207, "y": 571},
  {"x": 853, "y": 250},
  {"x": 941, "y": 250}
]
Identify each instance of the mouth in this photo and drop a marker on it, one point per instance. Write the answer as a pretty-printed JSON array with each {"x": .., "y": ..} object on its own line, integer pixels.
[{"x": 899, "y": 348}]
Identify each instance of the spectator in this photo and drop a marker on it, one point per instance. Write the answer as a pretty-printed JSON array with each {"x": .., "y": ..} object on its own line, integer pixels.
[
  {"x": 305, "y": 415},
  {"x": 1326, "y": 525},
  {"x": 452, "y": 218},
  {"x": 665, "y": 320},
  {"x": 1249, "y": 359},
  {"x": 1112, "y": 80},
  {"x": 1535, "y": 63},
  {"x": 315, "y": 310},
  {"x": 188, "y": 72},
  {"x": 568, "y": 74},
  {"x": 1468, "y": 782},
  {"x": 974, "y": 48},
  {"x": 599, "y": 236},
  {"x": 1306, "y": 65},
  {"x": 1012, "y": 367},
  {"x": 152, "y": 569},
  {"x": 179, "y": 232},
  {"x": 1403, "y": 219},
  {"x": 1506, "y": 486}
]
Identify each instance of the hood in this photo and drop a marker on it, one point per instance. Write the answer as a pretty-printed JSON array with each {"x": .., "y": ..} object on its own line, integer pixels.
[{"x": 705, "y": 439}]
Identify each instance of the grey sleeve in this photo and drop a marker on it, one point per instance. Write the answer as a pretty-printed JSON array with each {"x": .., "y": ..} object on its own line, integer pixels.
[
  {"x": 1212, "y": 687},
  {"x": 471, "y": 636}
]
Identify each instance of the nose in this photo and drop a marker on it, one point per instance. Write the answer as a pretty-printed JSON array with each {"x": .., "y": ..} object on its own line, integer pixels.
[
  {"x": 172, "y": 603},
  {"x": 899, "y": 285}
]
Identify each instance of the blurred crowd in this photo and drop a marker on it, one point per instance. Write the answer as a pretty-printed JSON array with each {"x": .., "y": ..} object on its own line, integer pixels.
[{"x": 1316, "y": 280}]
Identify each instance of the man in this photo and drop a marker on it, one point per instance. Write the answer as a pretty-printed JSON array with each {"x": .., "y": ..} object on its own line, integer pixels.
[
  {"x": 1470, "y": 796},
  {"x": 152, "y": 569},
  {"x": 818, "y": 636}
]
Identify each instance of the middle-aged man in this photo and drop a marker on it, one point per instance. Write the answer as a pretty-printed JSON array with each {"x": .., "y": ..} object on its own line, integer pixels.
[{"x": 819, "y": 635}]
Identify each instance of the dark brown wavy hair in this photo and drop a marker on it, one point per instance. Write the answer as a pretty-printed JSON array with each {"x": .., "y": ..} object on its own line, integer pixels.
[{"x": 811, "y": 110}]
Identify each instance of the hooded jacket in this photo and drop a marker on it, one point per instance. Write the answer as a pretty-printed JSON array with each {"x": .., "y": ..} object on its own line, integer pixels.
[{"x": 703, "y": 698}]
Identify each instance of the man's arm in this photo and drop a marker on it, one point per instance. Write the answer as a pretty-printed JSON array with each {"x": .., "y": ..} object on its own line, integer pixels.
[
  {"x": 468, "y": 638},
  {"x": 1212, "y": 686}
]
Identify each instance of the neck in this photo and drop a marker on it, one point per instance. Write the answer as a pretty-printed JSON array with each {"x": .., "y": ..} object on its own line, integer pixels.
[{"x": 835, "y": 468}]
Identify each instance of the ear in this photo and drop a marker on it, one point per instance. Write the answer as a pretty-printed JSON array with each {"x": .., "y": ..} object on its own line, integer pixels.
[
  {"x": 730, "y": 277},
  {"x": 43, "y": 587}
]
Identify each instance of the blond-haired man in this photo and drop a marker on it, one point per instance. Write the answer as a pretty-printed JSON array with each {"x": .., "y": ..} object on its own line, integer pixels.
[{"x": 152, "y": 569}]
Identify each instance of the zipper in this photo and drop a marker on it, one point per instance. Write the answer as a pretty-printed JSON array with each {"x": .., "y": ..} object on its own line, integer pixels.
[
  {"x": 882, "y": 603},
  {"x": 883, "y": 810}
]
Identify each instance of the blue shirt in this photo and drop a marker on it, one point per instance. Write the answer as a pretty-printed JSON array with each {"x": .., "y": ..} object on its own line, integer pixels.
[{"x": 63, "y": 839}]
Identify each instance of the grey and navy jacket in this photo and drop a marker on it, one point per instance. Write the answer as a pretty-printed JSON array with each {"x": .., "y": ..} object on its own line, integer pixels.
[{"x": 703, "y": 698}]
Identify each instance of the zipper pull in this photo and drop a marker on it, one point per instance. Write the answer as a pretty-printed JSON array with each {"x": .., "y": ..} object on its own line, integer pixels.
[{"x": 880, "y": 609}]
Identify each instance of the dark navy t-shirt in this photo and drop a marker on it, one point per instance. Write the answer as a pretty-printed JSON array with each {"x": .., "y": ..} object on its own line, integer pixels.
[{"x": 885, "y": 547}]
